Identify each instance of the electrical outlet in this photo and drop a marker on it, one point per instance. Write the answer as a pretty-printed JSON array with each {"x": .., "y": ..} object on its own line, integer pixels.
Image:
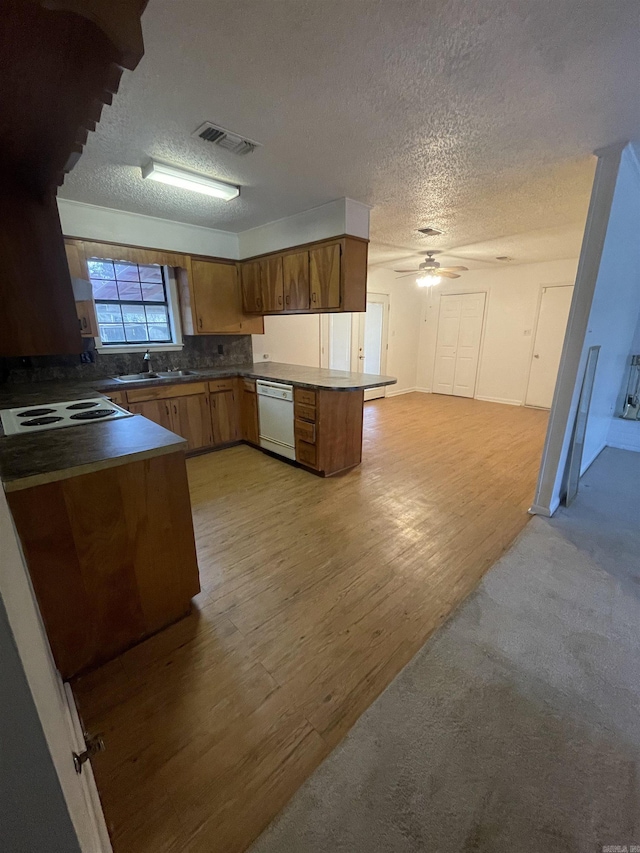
[{"x": 220, "y": 349}]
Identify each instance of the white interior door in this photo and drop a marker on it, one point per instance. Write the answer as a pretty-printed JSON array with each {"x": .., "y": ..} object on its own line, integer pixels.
[
  {"x": 547, "y": 347},
  {"x": 372, "y": 340},
  {"x": 458, "y": 343}
]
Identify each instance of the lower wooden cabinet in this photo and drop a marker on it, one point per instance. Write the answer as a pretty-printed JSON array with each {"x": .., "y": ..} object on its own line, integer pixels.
[
  {"x": 248, "y": 404},
  {"x": 224, "y": 417},
  {"x": 328, "y": 429},
  {"x": 187, "y": 416}
]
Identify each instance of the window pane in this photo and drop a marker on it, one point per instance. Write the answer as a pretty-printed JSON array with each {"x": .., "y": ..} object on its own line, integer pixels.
[
  {"x": 150, "y": 273},
  {"x": 99, "y": 268},
  {"x": 157, "y": 314},
  {"x": 112, "y": 334},
  {"x": 108, "y": 313},
  {"x": 104, "y": 289},
  {"x": 130, "y": 290},
  {"x": 127, "y": 272},
  {"x": 136, "y": 332},
  {"x": 152, "y": 292},
  {"x": 133, "y": 314},
  {"x": 159, "y": 332}
]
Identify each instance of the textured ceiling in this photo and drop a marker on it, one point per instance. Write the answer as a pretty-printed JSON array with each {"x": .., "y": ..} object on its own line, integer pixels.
[{"x": 476, "y": 117}]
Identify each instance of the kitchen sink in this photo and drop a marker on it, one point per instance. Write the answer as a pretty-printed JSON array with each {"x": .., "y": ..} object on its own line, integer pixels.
[
  {"x": 136, "y": 377},
  {"x": 169, "y": 374}
]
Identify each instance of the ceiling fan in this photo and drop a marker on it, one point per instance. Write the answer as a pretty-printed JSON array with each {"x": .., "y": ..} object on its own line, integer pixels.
[{"x": 430, "y": 272}]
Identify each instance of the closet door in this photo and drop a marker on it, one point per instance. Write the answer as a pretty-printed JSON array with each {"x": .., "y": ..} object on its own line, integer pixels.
[
  {"x": 468, "y": 349},
  {"x": 447, "y": 343},
  {"x": 458, "y": 344}
]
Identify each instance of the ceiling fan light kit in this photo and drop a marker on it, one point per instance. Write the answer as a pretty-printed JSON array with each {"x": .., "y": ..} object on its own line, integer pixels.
[{"x": 431, "y": 273}]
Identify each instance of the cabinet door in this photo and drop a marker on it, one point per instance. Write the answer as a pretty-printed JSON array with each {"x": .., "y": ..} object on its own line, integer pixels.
[
  {"x": 251, "y": 287},
  {"x": 224, "y": 417},
  {"x": 76, "y": 260},
  {"x": 87, "y": 318},
  {"x": 158, "y": 411},
  {"x": 272, "y": 283},
  {"x": 218, "y": 302},
  {"x": 296, "y": 281},
  {"x": 324, "y": 275},
  {"x": 249, "y": 429},
  {"x": 190, "y": 418}
]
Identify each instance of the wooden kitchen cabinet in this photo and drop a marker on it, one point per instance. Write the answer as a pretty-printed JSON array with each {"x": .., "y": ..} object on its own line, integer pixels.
[
  {"x": 211, "y": 302},
  {"x": 272, "y": 284},
  {"x": 224, "y": 417},
  {"x": 295, "y": 269},
  {"x": 183, "y": 409},
  {"x": 328, "y": 429},
  {"x": 248, "y": 404},
  {"x": 324, "y": 276},
  {"x": 251, "y": 279},
  {"x": 158, "y": 411},
  {"x": 79, "y": 273}
]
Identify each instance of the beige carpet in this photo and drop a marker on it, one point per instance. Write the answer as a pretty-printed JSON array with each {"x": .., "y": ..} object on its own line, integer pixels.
[{"x": 517, "y": 726}]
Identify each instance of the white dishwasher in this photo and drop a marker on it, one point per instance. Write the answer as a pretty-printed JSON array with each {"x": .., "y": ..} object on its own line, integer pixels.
[{"x": 275, "y": 408}]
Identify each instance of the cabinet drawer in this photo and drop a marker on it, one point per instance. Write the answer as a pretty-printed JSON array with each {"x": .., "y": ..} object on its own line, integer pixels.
[
  {"x": 304, "y": 396},
  {"x": 307, "y": 413},
  {"x": 249, "y": 385},
  {"x": 163, "y": 392},
  {"x": 222, "y": 385},
  {"x": 305, "y": 431},
  {"x": 306, "y": 454}
]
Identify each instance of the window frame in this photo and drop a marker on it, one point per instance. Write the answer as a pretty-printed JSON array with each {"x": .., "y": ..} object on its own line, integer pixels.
[{"x": 173, "y": 311}]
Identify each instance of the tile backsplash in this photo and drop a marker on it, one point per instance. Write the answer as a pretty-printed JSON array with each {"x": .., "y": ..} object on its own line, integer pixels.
[{"x": 198, "y": 352}]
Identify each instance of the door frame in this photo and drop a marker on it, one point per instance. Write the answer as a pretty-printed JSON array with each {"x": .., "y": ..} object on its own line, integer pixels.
[
  {"x": 485, "y": 314},
  {"x": 383, "y": 299},
  {"x": 534, "y": 332}
]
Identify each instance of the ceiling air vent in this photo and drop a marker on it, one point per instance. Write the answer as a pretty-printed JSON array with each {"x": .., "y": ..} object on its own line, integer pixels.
[
  {"x": 429, "y": 232},
  {"x": 225, "y": 138}
]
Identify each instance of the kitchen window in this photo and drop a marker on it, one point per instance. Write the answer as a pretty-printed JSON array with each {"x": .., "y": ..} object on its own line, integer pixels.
[{"x": 134, "y": 305}]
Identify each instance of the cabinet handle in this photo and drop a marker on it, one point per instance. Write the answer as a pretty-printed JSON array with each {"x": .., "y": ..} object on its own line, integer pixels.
[
  {"x": 199, "y": 322},
  {"x": 168, "y": 410},
  {"x": 175, "y": 409},
  {"x": 213, "y": 402},
  {"x": 279, "y": 300},
  {"x": 84, "y": 322},
  {"x": 259, "y": 302},
  {"x": 313, "y": 297},
  {"x": 287, "y": 299}
]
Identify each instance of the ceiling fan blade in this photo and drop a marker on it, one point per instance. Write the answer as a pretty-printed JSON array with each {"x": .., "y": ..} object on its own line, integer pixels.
[
  {"x": 456, "y": 269},
  {"x": 448, "y": 274},
  {"x": 411, "y": 271},
  {"x": 413, "y": 274}
]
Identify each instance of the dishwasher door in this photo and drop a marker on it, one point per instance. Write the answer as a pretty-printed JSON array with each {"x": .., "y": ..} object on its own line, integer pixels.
[{"x": 275, "y": 409}]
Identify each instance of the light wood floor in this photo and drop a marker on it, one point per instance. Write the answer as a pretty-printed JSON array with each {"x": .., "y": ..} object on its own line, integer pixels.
[{"x": 316, "y": 593}]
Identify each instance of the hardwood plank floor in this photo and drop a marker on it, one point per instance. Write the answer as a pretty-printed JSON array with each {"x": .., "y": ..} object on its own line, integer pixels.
[{"x": 316, "y": 592}]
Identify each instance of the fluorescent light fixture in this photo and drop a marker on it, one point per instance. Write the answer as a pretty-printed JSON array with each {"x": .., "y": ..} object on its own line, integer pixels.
[
  {"x": 189, "y": 181},
  {"x": 428, "y": 279}
]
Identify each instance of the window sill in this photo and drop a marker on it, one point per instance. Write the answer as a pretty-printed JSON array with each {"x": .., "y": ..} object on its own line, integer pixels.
[{"x": 117, "y": 350}]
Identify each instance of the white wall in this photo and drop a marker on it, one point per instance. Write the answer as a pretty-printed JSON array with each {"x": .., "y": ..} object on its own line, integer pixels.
[
  {"x": 342, "y": 216},
  {"x": 119, "y": 226},
  {"x": 293, "y": 339},
  {"x": 622, "y": 433},
  {"x": 513, "y": 295}
]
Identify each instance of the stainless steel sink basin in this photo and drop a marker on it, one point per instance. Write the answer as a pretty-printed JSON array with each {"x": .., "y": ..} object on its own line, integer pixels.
[
  {"x": 169, "y": 374},
  {"x": 136, "y": 377}
]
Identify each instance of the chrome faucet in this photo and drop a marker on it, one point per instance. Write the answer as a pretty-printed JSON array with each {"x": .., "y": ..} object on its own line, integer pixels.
[{"x": 147, "y": 358}]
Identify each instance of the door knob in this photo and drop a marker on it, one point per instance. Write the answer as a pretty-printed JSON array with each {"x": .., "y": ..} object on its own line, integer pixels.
[{"x": 536, "y": 355}]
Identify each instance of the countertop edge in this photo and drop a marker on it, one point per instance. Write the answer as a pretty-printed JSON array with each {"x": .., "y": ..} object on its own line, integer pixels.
[{"x": 34, "y": 480}]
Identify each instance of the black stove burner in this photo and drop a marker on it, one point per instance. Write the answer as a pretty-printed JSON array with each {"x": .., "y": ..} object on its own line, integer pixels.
[
  {"x": 88, "y": 405},
  {"x": 41, "y": 421},
  {"x": 35, "y": 413},
  {"x": 94, "y": 413}
]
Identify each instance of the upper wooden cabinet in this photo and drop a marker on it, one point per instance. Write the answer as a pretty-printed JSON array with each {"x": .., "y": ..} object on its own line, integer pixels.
[
  {"x": 324, "y": 276},
  {"x": 295, "y": 269},
  {"x": 210, "y": 300},
  {"x": 327, "y": 276},
  {"x": 251, "y": 279}
]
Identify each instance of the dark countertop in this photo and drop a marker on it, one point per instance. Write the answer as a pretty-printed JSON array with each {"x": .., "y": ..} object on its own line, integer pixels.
[{"x": 57, "y": 454}]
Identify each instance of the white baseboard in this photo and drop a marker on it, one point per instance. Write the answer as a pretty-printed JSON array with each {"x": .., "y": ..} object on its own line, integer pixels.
[
  {"x": 423, "y": 390},
  {"x": 398, "y": 391},
  {"x": 498, "y": 400},
  {"x": 621, "y": 445}
]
